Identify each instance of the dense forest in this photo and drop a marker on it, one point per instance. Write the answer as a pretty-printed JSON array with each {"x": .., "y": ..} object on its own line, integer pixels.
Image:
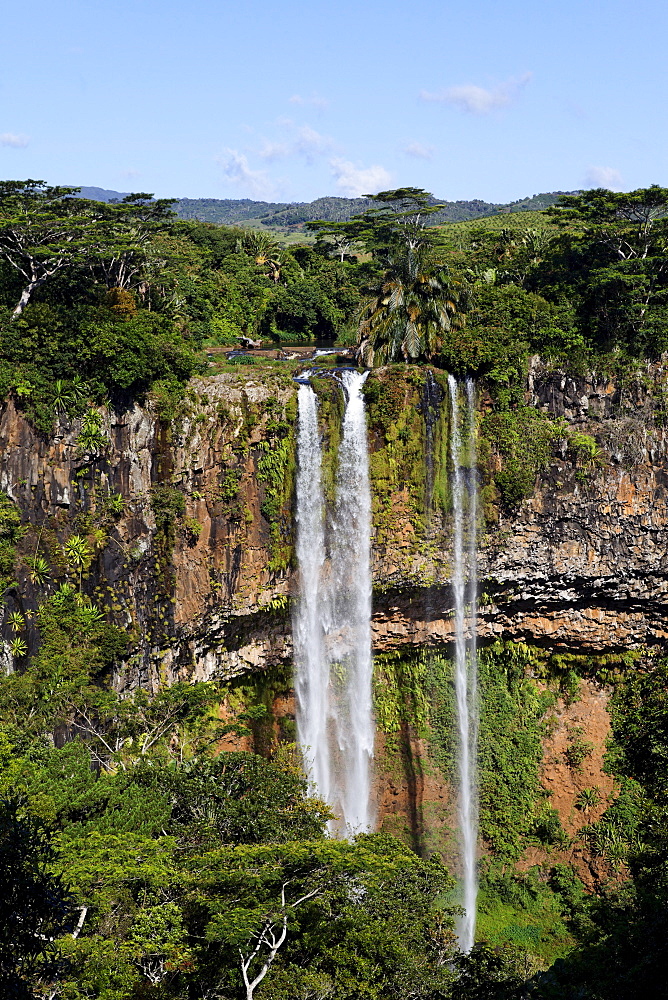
[
  {"x": 154, "y": 847},
  {"x": 288, "y": 217}
]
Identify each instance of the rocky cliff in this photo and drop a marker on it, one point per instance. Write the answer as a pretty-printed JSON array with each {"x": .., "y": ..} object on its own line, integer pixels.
[
  {"x": 187, "y": 521},
  {"x": 195, "y": 559}
]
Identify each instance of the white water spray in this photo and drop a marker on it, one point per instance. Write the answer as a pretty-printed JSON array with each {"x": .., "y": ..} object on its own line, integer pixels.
[
  {"x": 466, "y": 684},
  {"x": 311, "y": 669},
  {"x": 332, "y": 625}
]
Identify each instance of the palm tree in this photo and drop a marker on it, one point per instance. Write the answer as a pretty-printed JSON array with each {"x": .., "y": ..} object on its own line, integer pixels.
[
  {"x": 265, "y": 251},
  {"x": 77, "y": 553},
  {"x": 66, "y": 394},
  {"x": 40, "y": 572},
  {"x": 409, "y": 311}
]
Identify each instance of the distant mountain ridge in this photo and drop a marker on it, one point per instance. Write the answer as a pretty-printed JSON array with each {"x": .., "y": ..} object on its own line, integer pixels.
[
  {"x": 274, "y": 215},
  {"x": 291, "y": 216}
]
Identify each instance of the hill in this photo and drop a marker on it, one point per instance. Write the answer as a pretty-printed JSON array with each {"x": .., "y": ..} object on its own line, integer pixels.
[
  {"x": 289, "y": 217},
  {"x": 102, "y": 194}
]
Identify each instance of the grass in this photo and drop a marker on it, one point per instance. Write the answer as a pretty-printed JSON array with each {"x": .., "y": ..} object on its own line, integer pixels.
[{"x": 504, "y": 220}]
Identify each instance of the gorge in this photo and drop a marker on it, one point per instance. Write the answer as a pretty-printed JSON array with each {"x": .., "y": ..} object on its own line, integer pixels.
[
  {"x": 553, "y": 594},
  {"x": 333, "y": 665}
]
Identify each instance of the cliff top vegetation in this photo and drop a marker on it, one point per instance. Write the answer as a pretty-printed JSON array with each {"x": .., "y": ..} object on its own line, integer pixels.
[{"x": 112, "y": 300}]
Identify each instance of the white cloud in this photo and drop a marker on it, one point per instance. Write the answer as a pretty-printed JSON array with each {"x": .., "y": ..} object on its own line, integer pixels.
[
  {"x": 354, "y": 181},
  {"x": 310, "y": 143},
  {"x": 605, "y": 177},
  {"x": 314, "y": 101},
  {"x": 237, "y": 171},
  {"x": 273, "y": 150},
  {"x": 15, "y": 141},
  {"x": 419, "y": 151},
  {"x": 300, "y": 140},
  {"x": 475, "y": 100}
]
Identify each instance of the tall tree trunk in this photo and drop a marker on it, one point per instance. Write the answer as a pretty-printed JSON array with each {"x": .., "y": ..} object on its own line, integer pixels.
[{"x": 26, "y": 293}]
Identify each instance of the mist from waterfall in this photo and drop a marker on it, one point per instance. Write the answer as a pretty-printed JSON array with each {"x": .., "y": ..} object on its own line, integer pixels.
[
  {"x": 332, "y": 621},
  {"x": 464, "y": 504}
]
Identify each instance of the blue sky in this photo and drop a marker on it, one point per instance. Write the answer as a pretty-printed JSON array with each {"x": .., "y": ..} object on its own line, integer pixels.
[{"x": 290, "y": 101}]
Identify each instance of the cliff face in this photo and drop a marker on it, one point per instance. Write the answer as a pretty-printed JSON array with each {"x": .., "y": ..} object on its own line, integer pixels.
[
  {"x": 582, "y": 564},
  {"x": 185, "y": 565},
  {"x": 193, "y": 568},
  {"x": 188, "y": 522}
]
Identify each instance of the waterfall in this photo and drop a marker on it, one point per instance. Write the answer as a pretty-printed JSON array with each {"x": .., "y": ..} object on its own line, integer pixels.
[
  {"x": 466, "y": 684},
  {"x": 348, "y": 628},
  {"x": 332, "y": 623},
  {"x": 311, "y": 671}
]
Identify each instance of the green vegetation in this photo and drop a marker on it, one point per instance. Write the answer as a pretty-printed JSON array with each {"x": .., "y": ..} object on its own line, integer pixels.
[
  {"x": 174, "y": 864},
  {"x": 35, "y": 908},
  {"x": 284, "y": 218},
  {"x": 150, "y": 860},
  {"x": 104, "y": 301},
  {"x": 275, "y": 472},
  {"x": 585, "y": 283},
  {"x": 572, "y": 942},
  {"x": 10, "y": 532},
  {"x": 396, "y": 465},
  {"x": 523, "y": 438}
]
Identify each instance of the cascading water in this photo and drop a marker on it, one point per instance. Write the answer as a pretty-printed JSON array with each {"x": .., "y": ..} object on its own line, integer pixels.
[
  {"x": 474, "y": 720},
  {"x": 332, "y": 624},
  {"x": 466, "y": 684},
  {"x": 311, "y": 669}
]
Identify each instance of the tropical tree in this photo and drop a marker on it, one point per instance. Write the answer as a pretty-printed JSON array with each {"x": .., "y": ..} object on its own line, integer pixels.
[
  {"x": 131, "y": 225},
  {"x": 35, "y": 906},
  {"x": 265, "y": 251},
  {"x": 44, "y": 230},
  {"x": 409, "y": 311},
  {"x": 613, "y": 253},
  {"x": 396, "y": 223}
]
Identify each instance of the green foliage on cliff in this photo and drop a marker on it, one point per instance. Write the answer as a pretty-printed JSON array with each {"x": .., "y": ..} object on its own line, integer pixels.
[
  {"x": 511, "y": 729},
  {"x": 530, "y": 911},
  {"x": 620, "y": 933},
  {"x": 10, "y": 533},
  {"x": 523, "y": 438},
  {"x": 168, "y": 505},
  {"x": 415, "y": 691},
  {"x": 275, "y": 471},
  {"x": 397, "y": 463},
  {"x": 609, "y": 943}
]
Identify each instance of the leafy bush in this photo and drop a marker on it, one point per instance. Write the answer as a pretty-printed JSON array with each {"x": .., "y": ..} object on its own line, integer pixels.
[
  {"x": 168, "y": 505},
  {"x": 10, "y": 533},
  {"x": 523, "y": 437}
]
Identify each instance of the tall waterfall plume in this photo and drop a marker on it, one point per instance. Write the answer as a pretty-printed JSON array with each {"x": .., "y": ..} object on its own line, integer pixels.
[
  {"x": 311, "y": 668},
  {"x": 464, "y": 502},
  {"x": 332, "y": 623}
]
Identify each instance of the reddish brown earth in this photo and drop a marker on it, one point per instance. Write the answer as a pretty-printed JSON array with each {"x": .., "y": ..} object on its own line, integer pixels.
[{"x": 585, "y": 717}]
